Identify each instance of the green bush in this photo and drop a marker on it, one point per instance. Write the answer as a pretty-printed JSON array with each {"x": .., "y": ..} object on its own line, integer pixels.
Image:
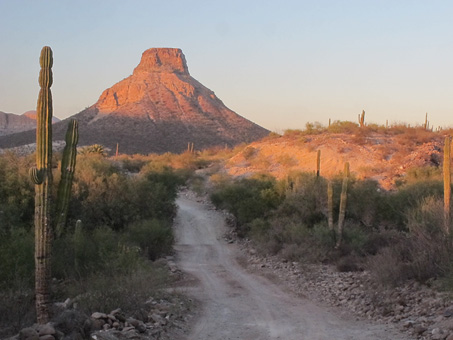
[
  {"x": 154, "y": 237},
  {"x": 248, "y": 199},
  {"x": 306, "y": 199},
  {"x": 103, "y": 195},
  {"x": 406, "y": 198}
]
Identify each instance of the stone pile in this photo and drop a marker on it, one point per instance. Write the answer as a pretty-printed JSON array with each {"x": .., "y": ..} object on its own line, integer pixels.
[{"x": 162, "y": 319}]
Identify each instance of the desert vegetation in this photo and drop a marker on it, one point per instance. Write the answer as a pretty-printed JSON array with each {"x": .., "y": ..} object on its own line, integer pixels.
[
  {"x": 398, "y": 235},
  {"x": 117, "y": 224}
]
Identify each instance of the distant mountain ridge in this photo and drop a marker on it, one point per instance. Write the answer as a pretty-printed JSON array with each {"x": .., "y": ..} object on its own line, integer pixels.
[
  {"x": 11, "y": 123},
  {"x": 159, "y": 108}
]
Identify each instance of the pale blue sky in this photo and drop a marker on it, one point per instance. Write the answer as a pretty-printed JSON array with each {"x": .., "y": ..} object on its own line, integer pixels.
[{"x": 277, "y": 63}]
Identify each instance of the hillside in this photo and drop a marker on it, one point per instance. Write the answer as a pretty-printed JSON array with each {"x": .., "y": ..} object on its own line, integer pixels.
[{"x": 384, "y": 155}]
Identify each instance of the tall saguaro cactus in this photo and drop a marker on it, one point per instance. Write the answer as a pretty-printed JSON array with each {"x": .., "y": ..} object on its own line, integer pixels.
[
  {"x": 42, "y": 176},
  {"x": 447, "y": 184},
  {"x": 343, "y": 199}
]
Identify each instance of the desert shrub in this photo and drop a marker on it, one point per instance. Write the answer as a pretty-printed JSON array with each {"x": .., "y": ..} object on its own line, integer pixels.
[
  {"x": 419, "y": 174},
  {"x": 103, "y": 195},
  {"x": 396, "y": 205},
  {"x": 132, "y": 164},
  {"x": 16, "y": 192},
  {"x": 247, "y": 198},
  {"x": 154, "y": 237},
  {"x": 87, "y": 252},
  {"x": 415, "y": 136},
  {"x": 343, "y": 127},
  {"x": 365, "y": 203},
  {"x": 354, "y": 238},
  {"x": 424, "y": 253},
  {"x": 305, "y": 199}
]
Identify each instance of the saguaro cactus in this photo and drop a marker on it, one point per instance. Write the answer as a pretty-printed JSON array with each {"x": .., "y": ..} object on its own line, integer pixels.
[
  {"x": 42, "y": 176},
  {"x": 68, "y": 163},
  {"x": 318, "y": 163},
  {"x": 343, "y": 199},
  {"x": 447, "y": 184},
  {"x": 362, "y": 119},
  {"x": 330, "y": 205}
]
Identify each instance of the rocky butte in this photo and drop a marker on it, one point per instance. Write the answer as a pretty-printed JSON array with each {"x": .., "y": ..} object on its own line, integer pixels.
[{"x": 159, "y": 108}]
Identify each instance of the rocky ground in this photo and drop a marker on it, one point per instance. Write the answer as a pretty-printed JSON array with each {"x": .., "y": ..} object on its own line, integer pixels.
[
  {"x": 417, "y": 310},
  {"x": 164, "y": 318}
]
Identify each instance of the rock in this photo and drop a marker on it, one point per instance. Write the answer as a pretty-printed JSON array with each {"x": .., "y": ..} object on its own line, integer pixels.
[
  {"x": 133, "y": 322},
  {"x": 449, "y": 337},
  {"x": 141, "y": 327},
  {"x": 97, "y": 315},
  {"x": 448, "y": 312},
  {"x": 419, "y": 330},
  {"x": 97, "y": 324},
  {"x": 46, "y": 329},
  {"x": 408, "y": 323},
  {"x": 28, "y": 333},
  {"x": 73, "y": 321},
  {"x": 47, "y": 337}
]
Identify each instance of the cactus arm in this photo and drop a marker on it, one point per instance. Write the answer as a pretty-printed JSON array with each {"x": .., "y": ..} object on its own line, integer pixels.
[
  {"x": 68, "y": 163},
  {"x": 43, "y": 226}
]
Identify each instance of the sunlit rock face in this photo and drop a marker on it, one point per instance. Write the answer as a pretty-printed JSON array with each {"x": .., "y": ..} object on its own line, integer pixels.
[{"x": 174, "y": 106}]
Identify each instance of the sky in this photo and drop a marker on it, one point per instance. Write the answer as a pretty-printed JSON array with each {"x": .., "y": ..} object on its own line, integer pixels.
[{"x": 279, "y": 63}]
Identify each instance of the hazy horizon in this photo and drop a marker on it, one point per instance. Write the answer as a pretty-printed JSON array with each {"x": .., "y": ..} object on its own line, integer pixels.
[{"x": 279, "y": 65}]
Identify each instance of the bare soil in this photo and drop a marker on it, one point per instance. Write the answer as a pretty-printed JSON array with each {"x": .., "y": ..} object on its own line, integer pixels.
[{"x": 238, "y": 304}]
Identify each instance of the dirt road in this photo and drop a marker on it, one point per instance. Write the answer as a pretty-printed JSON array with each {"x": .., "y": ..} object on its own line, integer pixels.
[{"x": 240, "y": 305}]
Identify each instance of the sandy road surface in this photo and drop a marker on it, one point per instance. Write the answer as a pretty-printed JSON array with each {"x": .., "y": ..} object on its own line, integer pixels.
[{"x": 240, "y": 305}]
